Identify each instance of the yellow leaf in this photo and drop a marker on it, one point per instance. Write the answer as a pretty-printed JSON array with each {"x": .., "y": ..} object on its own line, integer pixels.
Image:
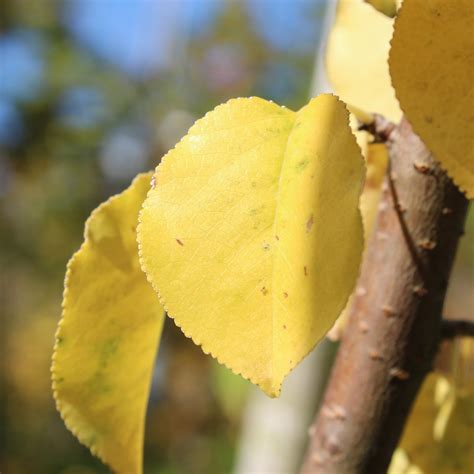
[
  {"x": 455, "y": 360},
  {"x": 108, "y": 335},
  {"x": 260, "y": 235},
  {"x": 431, "y": 63},
  {"x": 400, "y": 464},
  {"x": 356, "y": 58},
  {"x": 387, "y": 7},
  {"x": 376, "y": 160},
  {"x": 430, "y": 449}
]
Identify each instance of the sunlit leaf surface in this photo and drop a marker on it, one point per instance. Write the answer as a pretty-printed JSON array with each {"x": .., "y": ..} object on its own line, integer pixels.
[
  {"x": 376, "y": 159},
  {"x": 357, "y": 55},
  {"x": 108, "y": 335},
  {"x": 432, "y": 64},
  {"x": 252, "y": 234},
  {"x": 438, "y": 435}
]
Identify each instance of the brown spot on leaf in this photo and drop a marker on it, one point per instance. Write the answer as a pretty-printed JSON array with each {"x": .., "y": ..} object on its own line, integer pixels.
[
  {"x": 264, "y": 291},
  {"x": 285, "y": 294},
  {"x": 305, "y": 271},
  {"x": 180, "y": 242}
]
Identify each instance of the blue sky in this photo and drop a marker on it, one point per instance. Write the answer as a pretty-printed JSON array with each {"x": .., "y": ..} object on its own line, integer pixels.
[{"x": 141, "y": 37}]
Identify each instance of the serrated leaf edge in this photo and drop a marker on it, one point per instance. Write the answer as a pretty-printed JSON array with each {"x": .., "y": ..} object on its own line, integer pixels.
[
  {"x": 450, "y": 169},
  {"x": 242, "y": 373},
  {"x": 67, "y": 419}
]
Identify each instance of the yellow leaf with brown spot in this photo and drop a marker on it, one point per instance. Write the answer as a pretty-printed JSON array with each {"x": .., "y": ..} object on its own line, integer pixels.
[
  {"x": 253, "y": 235},
  {"x": 108, "y": 335},
  {"x": 432, "y": 64},
  {"x": 356, "y": 58}
]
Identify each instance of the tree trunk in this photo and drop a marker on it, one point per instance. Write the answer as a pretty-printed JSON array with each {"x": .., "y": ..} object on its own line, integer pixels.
[{"x": 394, "y": 327}]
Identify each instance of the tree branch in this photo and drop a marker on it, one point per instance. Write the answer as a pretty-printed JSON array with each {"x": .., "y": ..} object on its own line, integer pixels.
[
  {"x": 452, "y": 328},
  {"x": 379, "y": 127},
  {"x": 394, "y": 326}
]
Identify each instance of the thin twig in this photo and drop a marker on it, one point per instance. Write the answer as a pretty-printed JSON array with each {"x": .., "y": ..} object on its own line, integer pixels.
[
  {"x": 380, "y": 128},
  {"x": 452, "y": 328}
]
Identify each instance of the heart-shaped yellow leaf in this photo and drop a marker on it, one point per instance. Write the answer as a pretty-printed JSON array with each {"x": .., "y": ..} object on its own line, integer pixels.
[
  {"x": 356, "y": 58},
  {"x": 107, "y": 338},
  {"x": 252, "y": 234},
  {"x": 432, "y": 64}
]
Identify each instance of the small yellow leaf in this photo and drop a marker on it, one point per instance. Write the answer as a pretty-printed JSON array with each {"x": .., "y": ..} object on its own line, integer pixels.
[
  {"x": 260, "y": 235},
  {"x": 432, "y": 64},
  {"x": 429, "y": 449},
  {"x": 376, "y": 162},
  {"x": 108, "y": 335},
  {"x": 356, "y": 58}
]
